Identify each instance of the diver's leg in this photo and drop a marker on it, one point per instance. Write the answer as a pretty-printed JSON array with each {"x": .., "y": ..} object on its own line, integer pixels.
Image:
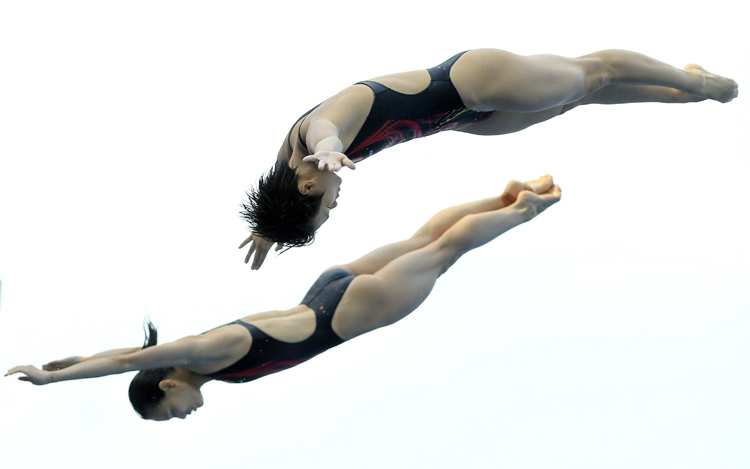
[
  {"x": 508, "y": 122},
  {"x": 374, "y": 301},
  {"x": 439, "y": 224},
  {"x": 490, "y": 79},
  {"x": 625, "y": 67},
  {"x": 623, "y": 94}
]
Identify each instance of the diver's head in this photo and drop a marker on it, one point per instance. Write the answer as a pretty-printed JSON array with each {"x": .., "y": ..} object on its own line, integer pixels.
[
  {"x": 291, "y": 203},
  {"x": 163, "y": 393}
]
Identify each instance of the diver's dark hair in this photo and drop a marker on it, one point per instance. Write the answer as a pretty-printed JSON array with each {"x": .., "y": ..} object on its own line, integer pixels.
[
  {"x": 144, "y": 390},
  {"x": 277, "y": 210}
]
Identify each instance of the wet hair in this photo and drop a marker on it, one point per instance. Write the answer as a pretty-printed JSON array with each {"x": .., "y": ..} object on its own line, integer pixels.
[
  {"x": 144, "y": 391},
  {"x": 278, "y": 211}
]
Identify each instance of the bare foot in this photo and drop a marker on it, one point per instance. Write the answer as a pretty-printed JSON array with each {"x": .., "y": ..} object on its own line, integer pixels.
[
  {"x": 715, "y": 87},
  {"x": 537, "y": 203},
  {"x": 538, "y": 186}
]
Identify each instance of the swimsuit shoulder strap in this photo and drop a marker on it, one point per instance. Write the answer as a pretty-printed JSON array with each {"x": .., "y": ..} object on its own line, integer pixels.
[
  {"x": 324, "y": 296},
  {"x": 375, "y": 87},
  {"x": 299, "y": 135},
  {"x": 254, "y": 331},
  {"x": 443, "y": 71}
]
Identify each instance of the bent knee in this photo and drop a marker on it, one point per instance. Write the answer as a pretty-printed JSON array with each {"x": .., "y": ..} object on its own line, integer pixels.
[
  {"x": 603, "y": 63},
  {"x": 596, "y": 74}
]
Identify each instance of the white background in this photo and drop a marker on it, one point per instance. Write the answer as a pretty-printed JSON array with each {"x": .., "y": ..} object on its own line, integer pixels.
[{"x": 611, "y": 332}]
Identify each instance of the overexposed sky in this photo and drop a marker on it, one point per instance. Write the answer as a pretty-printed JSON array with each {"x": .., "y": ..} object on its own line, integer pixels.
[{"x": 609, "y": 332}]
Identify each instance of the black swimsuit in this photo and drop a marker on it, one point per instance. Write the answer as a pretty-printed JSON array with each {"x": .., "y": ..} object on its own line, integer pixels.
[
  {"x": 268, "y": 355},
  {"x": 397, "y": 117}
]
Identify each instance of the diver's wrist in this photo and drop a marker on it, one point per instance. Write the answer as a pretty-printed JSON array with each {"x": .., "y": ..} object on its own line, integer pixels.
[{"x": 329, "y": 144}]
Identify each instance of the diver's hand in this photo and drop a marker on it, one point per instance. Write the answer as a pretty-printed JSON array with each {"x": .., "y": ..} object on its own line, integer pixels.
[
  {"x": 333, "y": 159},
  {"x": 33, "y": 374},
  {"x": 60, "y": 364},
  {"x": 260, "y": 247}
]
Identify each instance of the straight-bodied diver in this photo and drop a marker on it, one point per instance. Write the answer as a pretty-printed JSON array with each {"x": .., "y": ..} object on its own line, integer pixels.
[
  {"x": 346, "y": 301},
  {"x": 483, "y": 92}
]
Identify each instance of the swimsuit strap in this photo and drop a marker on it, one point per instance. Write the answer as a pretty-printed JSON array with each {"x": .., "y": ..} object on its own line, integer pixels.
[
  {"x": 374, "y": 86},
  {"x": 440, "y": 73},
  {"x": 289, "y": 135},
  {"x": 443, "y": 71},
  {"x": 299, "y": 134},
  {"x": 324, "y": 296},
  {"x": 254, "y": 331}
]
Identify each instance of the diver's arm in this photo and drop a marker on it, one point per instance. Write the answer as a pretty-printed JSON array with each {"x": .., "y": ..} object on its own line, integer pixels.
[
  {"x": 325, "y": 147},
  {"x": 323, "y": 135},
  {"x": 89, "y": 369},
  {"x": 117, "y": 351},
  {"x": 70, "y": 361},
  {"x": 182, "y": 352}
]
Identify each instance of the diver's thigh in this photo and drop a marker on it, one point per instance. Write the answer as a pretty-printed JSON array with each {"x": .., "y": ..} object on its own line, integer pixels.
[
  {"x": 501, "y": 123},
  {"x": 389, "y": 295},
  {"x": 492, "y": 79}
]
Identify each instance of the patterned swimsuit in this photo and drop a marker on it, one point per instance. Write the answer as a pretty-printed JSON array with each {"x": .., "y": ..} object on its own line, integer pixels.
[{"x": 396, "y": 117}]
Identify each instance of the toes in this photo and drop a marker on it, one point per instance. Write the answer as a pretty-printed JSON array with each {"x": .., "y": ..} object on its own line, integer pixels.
[
  {"x": 546, "y": 181},
  {"x": 539, "y": 185}
]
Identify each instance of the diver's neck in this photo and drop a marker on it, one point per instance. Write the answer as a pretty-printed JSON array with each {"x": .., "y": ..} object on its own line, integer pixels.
[
  {"x": 307, "y": 168},
  {"x": 190, "y": 377}
]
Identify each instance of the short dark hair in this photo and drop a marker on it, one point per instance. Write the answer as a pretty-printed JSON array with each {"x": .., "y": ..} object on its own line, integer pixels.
[
  {"x": 144, "y": 391},
  {"x": 278, "y": 211}
]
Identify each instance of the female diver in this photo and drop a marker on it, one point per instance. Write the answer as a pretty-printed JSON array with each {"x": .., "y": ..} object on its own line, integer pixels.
[
  {"x": 346, "y": 301},
  {"x": 483, "y": 92}
]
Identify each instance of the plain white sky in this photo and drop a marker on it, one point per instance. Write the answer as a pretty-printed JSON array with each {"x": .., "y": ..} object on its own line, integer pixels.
[{"x": 610, "y": 332}]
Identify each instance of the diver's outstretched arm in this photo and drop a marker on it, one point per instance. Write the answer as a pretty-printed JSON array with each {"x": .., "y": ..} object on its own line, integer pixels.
[
  {"x": 70, "y": 361},
  {"x": 184, "y": 352},
  {"x": 439, "y": 224},
  {"x": 87, "y": 369},
  {"x": 325, "y": 146}
]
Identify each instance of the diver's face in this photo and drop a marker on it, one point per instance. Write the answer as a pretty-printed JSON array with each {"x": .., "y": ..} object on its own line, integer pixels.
[
  {"x": 329, "y": 184},
  {"x": 180, "y": 400}
]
